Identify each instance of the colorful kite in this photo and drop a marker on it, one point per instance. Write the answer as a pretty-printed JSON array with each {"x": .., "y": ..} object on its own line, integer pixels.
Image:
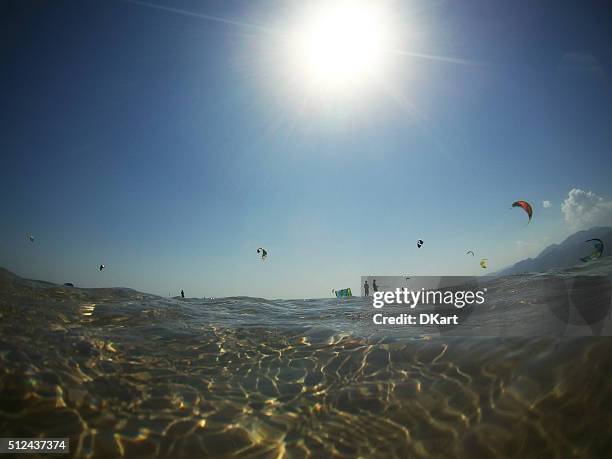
[
  {"x": 525, "y": 206},
  {"x": 598, "y": 246},
  {"x": 344, "y": 293}
]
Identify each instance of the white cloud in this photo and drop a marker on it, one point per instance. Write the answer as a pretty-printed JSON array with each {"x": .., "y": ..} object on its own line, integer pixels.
[
  {"x": 575, "y": 62},
  {"x": 585, "y": 209},
  {"x": 546, "y": 204}
]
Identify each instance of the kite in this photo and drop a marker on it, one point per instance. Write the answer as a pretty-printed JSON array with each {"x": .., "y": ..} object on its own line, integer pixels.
[
  {"x": 597, "y": 252},
  {"x": 525, "y": 206},
  {"x": 102, "y": 267},
  {"x": 29, "y": 237},
  {"x": 344, "y": 293},
  {"x": 264, "y": 253},
  {"x": 483, "y": 263},
  {"x": 420, "y": 243},
  {"x": 470, "y": 251}
]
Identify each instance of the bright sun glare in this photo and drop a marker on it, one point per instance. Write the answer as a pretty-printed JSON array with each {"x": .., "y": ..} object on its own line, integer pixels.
[{"x": 341, "y": 44}]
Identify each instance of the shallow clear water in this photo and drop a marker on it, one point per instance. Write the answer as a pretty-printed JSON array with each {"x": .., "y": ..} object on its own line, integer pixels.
[{"x": 125, "y": 373}]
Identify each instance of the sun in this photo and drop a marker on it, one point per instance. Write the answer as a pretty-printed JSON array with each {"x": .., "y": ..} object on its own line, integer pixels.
[{"x": 341, "y": 45}]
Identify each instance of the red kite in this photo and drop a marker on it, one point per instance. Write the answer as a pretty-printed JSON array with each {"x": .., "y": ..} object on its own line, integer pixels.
[{"x": 525, "y": 206}]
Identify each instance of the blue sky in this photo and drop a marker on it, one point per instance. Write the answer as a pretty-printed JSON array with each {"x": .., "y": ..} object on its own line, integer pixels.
[{"x": 169, "y": 147}]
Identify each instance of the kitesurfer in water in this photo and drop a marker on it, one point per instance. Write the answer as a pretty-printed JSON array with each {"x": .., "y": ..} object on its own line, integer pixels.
[
  {"x": 366, "y": 288},
  {"x": 182, "y": 294}
]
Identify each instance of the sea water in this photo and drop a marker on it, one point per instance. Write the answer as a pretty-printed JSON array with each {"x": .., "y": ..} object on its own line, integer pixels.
[{"x": 122, "y": 373}]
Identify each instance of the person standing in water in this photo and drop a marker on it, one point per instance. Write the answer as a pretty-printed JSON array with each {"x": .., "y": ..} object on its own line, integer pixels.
[
  {"x": 366, "y": 288},
  {"x": 374, "y": 286},
  {"x": 182, "y": 294}
]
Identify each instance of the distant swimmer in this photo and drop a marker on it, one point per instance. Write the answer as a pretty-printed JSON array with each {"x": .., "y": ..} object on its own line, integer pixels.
[
  {"x": 102, "y": 267},
  {"x": 182, "y": 294},
  {"x": 374, "y": 286},
  {"x": 263, "y": 252},
  {"x": 366, "y": 288}
]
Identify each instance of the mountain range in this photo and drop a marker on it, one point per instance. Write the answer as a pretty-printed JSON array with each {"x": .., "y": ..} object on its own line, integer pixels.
[{"x": 563, "y": 255}]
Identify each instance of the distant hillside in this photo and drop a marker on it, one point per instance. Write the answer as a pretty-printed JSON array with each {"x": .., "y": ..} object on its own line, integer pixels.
[
  {"x": 10, "y": 279},
  {"x": 563, "y": 255}
]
